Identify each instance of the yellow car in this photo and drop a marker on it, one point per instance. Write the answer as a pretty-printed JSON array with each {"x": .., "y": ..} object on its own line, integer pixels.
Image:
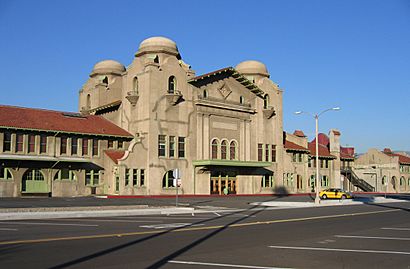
[{"x": 334, "y": 193}]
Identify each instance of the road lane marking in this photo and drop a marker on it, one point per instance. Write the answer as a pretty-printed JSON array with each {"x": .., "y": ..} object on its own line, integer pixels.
[
  {"x": 170, "y": 225},
  {"x": 374, "y": 237},
  {"x": 114, "y": 220},
  {"x": 344, "y": 250},
  {"x": 96, "y": 236},
  {"x": 50, "y": 224},
  {"x": 396, "y": 229},
  {"x": 8, "y": 229},
  {"x": 224, "y": 265}
]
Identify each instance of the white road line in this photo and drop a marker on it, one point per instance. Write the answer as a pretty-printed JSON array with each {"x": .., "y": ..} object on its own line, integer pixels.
[
  {"x": 217, "y": 214},
  {"x": 373, "y": 237},
  {"x": 170, "y": 225},
  {"x": 396, "y": 229},
  {"x": 8, "y": 229},
  {"x": 50, "y": 224},
  {"x": 344, "y": 250},
  {"x": 224, "y": 265},
  {"x": 116, "y": 220}
]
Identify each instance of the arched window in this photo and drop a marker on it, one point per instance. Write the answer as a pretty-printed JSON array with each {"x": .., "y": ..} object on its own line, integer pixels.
[
  {"x": 393, "y": 182},
  {"x": 241, "y": 100},
  {"x": 232, "y": 150},
  {"x": 5, "y": 174},
  {"x": 105, "y": 80},
  {"x": 205, "y": 94},
  {"x": 168, "y": 180},
  {"x": 33, "y": 175},
  {"x": 65, "y": 174},
  {"x": 265, "y": 101},
  {"x": 172, "y": 84},
  {"x": 384, "y": 180},
  {"x": 214, "y": 149},
  {"x": 135, "y": 84},
  {"x": 156, "y": 59},
  {"x": 224, "y": 145},
  {"x": 402, "y": 180},
  {"x": 88, "y": 101}
]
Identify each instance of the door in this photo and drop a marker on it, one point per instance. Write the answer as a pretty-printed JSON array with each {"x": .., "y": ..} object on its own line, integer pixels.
[
  {"x": 34, "y": 182},
  {"x": 223, "y": 185}
]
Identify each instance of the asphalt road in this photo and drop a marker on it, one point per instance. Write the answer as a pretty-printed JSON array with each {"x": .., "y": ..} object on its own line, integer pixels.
[{"x": 365, "y": 236}]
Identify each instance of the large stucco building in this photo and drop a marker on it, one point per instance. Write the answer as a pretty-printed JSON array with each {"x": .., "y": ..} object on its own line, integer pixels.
[{"x": 136, "y": 124}]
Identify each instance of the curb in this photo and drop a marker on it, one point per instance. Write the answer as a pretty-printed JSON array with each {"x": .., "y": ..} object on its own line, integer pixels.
[{"x": 93, "y": 213}]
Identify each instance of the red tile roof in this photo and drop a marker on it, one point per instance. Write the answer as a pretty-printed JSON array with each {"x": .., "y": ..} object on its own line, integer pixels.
[
  {"x": 323, "y": 150},
  {"x": 295, "y": 147},
  {"x": 402, "y": 158},
  {"x": 323, "y": 139},
  {"x": 57, "y": 121},
  {"x": 115, "y": 155},
  {"x": 346, "y": 153}
]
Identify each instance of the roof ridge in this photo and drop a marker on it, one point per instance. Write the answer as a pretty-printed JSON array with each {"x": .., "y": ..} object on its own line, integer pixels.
[{"x": 41, "y": 109}]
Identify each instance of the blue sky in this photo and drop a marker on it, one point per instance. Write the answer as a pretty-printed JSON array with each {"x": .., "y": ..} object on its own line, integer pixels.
[{"x": 352, "y": 54}]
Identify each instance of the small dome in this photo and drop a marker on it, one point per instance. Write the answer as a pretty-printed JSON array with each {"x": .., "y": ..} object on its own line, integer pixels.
[
  {"x": 158, "y": 44},
  {"x": 108, "y": 66},
  {"x": 252, "y": 68}
]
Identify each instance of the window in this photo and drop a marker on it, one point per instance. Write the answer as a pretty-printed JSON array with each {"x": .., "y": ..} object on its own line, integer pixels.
[
  {"x": 181, "y": 147},
  {"x": 135, "y": 177},
  {"x": 5, "y": 174},
  {"x": 326, "y": 163},
  {"x": 309, "y": 161},
  {"x": 325, "y": 181},
  {"x": 43, "y": 143},
  {"x": 85, "y": 146},
  {"x": 273, "y": 150},
  {"x": 7, "y": 142},
  {"x": 260, "y": 152},
  {"x": 105, "y": 80},
  {"x": 205, "y": 94},
  {"x": 31, "y": 143},
  {"x": 266, "y": 101},
  {"x": 74, "y": 145},
  {"x": 214, "y": 149},
  {"x": 172, "y": 85},
  {"x": 33, "y": 175},
  {"x": 241, "y": 100},
  {"x": 128, "y": 174},
  {"x": 135, "y": 84},
  {"x": 172, "y": 146},
  {"x": 19, "y": 142},
  {"x": 65, "y": 174},
  {"x": 92, "y": 177},
  {"x": 300, "y": 157},
  {"x": 95, "y": 147},
  {"x": 402, "y": 180},
  {"x": 63, "y": 145},
  {"x": 168, "y": 180},
  {"x": 224, "y": 150},
  {"x": 161, "y": 145},
  {"x": 120, "y": 144},
  {"x": 384, "y": 180},
  {"x": 293, "y": 157},
  {"x": 232, "y": 150},
  {"x": 267, "y": 181},
  {"x": 88, "y": 105},
  {"x": 110, "y": 143},
  {"x": 267, "y": 152},
  {"x": 142, "y": 177}
]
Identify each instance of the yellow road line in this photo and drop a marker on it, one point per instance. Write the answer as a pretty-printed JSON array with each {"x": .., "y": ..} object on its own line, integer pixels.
[{"x": 43, "y": 240}]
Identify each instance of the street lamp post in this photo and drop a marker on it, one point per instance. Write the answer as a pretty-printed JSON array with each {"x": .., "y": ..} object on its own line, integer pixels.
[{"x": 316, "y": 116}]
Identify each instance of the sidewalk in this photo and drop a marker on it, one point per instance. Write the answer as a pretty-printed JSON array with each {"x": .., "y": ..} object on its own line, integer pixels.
[{"x": 47, "y": 208}]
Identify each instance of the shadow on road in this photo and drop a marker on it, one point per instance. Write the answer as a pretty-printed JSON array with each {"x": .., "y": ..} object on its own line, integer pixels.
[{"x": 174, "y": 254}]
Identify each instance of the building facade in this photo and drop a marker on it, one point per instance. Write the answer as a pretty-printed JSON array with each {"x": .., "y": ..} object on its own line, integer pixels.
[
  {"x": 385, "y": 170},
  {"x": 222, "y": 130}
]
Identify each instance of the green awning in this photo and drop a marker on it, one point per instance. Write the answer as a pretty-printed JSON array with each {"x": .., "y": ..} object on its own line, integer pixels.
[{"x": 231, "y": 163}]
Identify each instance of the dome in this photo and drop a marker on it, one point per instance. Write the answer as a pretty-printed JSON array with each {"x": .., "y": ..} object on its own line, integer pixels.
[
  {"x": 158, "y": 44},
  {"x": 108, "y": 66},
  {"x": 252, "y": 68}
]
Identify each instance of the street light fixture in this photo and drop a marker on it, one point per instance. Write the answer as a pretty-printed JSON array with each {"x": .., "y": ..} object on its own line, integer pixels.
[{"x": 316, "y": 116}]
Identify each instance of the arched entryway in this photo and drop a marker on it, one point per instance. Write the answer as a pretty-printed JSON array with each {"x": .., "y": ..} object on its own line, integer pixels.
[{"x": 34, "y": 181}]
